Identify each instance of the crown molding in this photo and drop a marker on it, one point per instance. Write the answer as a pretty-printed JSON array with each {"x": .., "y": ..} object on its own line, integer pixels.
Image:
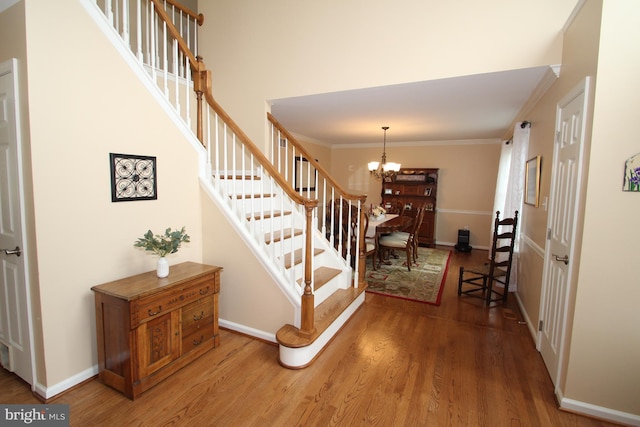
[{"x": 548, "y": 79}]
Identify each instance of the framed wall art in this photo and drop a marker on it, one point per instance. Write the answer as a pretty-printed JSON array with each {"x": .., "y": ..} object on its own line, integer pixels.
[
  {"x": 632, "y": 174},
  {"x": 305, "y": 175},
  {"x": 532, "y": 182},
  {"x": 133, "y": 177}
]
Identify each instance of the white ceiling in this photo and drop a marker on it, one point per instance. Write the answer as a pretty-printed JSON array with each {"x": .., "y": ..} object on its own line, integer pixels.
[
  {"x": 6, "y": 4},
  {"x": 472, "y": 107}
]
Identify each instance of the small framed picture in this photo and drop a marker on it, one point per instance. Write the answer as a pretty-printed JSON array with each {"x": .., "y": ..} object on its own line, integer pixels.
[
  {"x": 532, "y": 181},
  {"x": 388, "y": 191},
  {"x": 133, "y": 177},
  {"x": 306, "y": 175}
]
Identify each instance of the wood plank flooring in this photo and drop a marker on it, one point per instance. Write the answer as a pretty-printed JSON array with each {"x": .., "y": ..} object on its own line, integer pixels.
[{"x": 396, "y": 363}]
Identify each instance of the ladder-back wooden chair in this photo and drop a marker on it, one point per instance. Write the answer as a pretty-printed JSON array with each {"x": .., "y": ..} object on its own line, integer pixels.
[{"x": 479, "y": 281}]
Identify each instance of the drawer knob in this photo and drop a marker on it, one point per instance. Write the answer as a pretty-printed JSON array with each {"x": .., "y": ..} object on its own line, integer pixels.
[
  {"x": 153, "y": 313},
  {"x": 204, "y": 291},
  {"x": 196, "y": 318}
]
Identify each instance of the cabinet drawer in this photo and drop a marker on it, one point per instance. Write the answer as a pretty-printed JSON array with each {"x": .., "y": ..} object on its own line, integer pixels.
[
  {"x": 199, "y": 336},
  {"x": 197, "y": 312},
  {"x": 152, "y": 306}
]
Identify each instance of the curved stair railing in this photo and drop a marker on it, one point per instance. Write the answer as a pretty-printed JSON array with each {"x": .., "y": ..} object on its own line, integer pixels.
[{"x": 283, "y": 223}]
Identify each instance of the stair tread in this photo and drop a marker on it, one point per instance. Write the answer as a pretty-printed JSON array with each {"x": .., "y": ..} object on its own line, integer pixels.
[
  {"x": 322, "y": 276},
  {"x": 325, "y": 314},
  {"x": 267, "y": 215},
  {"x": 297, "y": 257},
  {"x": 246, "y": 177},
  {"x": 242, "y": 196},
  {"x": 278, "y": 235}
]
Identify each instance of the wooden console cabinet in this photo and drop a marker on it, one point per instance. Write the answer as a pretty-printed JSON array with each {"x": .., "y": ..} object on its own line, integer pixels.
[
  {"x": 148, "y": 328},
  {"x": 407, "y": 191}
]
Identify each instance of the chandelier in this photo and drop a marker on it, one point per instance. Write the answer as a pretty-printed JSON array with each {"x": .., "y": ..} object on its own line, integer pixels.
[{"x": 384, "y": 170}]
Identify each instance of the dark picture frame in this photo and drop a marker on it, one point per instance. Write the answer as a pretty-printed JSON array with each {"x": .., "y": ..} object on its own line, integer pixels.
[
  {"x": 532, "y": 182},
  {"x": 133, "y": 177},
  {"x": 306, "y": 175}
]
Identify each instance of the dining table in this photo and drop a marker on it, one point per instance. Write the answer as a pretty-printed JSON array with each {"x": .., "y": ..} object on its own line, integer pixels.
[{"x": 388, "y": 224}]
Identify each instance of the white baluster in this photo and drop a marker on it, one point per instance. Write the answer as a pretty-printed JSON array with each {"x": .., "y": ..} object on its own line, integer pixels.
[{"x": 125, "y": 23}]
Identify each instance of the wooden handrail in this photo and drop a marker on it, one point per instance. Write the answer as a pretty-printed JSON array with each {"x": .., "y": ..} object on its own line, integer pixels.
[
  {"x": 262, "y": 159},
  {"x": 342, "y": 192},
  {"x": 184, "y": 47},
  {"x": 198, "y": 17}
]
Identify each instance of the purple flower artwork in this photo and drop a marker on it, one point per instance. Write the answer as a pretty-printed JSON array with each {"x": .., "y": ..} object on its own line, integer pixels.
[{"x": 632, "y": 174}]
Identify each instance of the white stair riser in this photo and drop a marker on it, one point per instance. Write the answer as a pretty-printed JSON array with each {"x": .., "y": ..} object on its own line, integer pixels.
[
  {"x": 277, "y": 222},
  {"x": 245, "y": 187},
  {"x": 260, "y": 204}
]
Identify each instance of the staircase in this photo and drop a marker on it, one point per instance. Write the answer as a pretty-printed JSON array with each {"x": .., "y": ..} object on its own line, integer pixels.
[{"x": 306, "y": 230}]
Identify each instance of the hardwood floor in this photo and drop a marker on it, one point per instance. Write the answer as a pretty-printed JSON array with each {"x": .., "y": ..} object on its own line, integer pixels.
[{"x": 396, "y": 363}]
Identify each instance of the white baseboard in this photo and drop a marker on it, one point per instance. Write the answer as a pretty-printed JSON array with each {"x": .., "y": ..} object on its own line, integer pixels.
[
  {"x": 266, "y": 336},
  {"x": 600, "y": 412},
  {"x": 576, "y": 406},
  {"x": 453, "y": 244},
  {"x": 49, "y": 392}
]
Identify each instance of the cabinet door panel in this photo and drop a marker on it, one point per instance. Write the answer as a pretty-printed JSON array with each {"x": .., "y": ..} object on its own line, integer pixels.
[
  {"x": 158, "y": 343},
  {"x": 427, "y": 228}
]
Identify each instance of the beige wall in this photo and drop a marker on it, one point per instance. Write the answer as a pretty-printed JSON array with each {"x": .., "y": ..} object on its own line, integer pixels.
[
  {"x": 82, "y": 105},
  {"x": 466, "y": 180},
  {"x": 605, "y": 341},
  {"x": 268, "y": 50}
]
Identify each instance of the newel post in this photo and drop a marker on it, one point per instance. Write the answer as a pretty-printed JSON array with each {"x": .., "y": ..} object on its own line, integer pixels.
[
  {"x": 307, "y": 327},
  {"x": 360, "y": 280},
  {"x": 201, "y": 82}
]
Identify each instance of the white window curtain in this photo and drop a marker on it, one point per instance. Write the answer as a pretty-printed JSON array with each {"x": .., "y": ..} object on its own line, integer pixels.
[{"x": 510, "y": 187}]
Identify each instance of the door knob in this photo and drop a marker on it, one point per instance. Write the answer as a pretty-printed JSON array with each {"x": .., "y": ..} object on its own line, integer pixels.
[
  {"x": 564, "y": 259},
  {"x": 15, "y": 251}
]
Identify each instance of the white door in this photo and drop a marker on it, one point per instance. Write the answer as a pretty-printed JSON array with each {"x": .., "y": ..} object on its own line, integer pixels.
[
  {"x": 15, "y": 309},
  {"x": 564, "y": 194}
]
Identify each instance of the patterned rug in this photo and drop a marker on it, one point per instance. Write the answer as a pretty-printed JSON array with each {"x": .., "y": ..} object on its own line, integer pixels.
[{"x": 424, "y": 283}]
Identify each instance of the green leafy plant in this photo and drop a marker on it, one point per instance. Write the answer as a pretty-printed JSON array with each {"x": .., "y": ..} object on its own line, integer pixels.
[{"x": 163, "y": 245}]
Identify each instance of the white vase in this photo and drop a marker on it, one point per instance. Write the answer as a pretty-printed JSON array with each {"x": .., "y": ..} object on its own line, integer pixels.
[{"x": 163, "y": 267}]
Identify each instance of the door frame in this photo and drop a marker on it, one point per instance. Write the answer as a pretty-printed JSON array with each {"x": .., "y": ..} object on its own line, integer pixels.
[
  {"x": 10, "y": 67},
  {"x": 581, "y": 88}
]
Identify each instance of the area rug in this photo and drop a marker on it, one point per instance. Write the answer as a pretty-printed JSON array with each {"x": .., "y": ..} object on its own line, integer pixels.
[{"x": 424, "y": 283}]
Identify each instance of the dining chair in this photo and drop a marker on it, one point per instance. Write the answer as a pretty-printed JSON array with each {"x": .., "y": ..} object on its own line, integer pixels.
[
  {"x": 403, "y": 235},
  {"x": 402, "y": 240},
  {"x": 478, "y": 281},
  {"x": 370, "y": 244}
]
